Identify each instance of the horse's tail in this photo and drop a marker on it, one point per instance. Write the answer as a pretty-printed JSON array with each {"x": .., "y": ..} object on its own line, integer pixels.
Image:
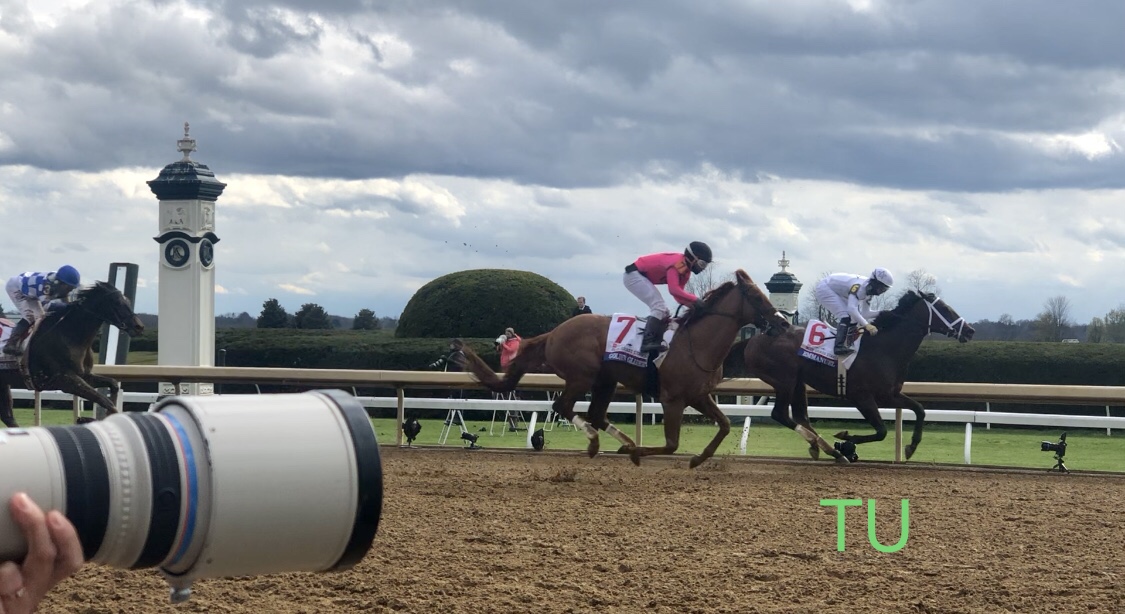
[{"x": 532, "y": 354}]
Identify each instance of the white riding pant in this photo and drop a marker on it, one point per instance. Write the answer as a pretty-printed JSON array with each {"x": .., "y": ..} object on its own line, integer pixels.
[
  {"x": 28, "y": 306},
  {"x": 645, "y": 290},
  {"x": 831, "y": 301}
]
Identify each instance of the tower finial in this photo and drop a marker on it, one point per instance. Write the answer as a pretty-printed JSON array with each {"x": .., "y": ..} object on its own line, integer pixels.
[
  {"x": 186, "y": 144},
  {"x": 784, "y": 262}
]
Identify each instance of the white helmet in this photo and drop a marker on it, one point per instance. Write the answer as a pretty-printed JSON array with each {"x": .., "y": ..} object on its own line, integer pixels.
[{"x": 883, "y": 276}]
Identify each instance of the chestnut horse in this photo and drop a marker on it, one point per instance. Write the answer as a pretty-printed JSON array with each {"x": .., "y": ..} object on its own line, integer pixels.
[
  {"x": 874, "y": 380},
  {"x": 689, "y": 372},
  {"x": 59, "y": 353}
]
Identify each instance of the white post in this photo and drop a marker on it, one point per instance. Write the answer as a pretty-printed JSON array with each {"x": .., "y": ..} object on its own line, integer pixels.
[
  {"x": 38, "y": 409},
  {"x": 1108, "y": 431},
  {"x": 988, "y": 408},
  {"x": 531, "y": 429},
  {"x": 76, "y": 404},
  {"x": 968, "y": 442},
  {"x": 745, "y": 435},
  {"x": 898, "y": 434},
  {"x": 640, "y": 421}
]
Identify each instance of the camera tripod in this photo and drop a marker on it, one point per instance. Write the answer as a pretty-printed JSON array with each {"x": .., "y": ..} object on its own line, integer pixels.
[{"x": 1059, "y": 464}]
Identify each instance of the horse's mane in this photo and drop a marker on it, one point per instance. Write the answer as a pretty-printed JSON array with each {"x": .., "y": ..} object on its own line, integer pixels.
[
  {"x": 712, "y": 296},
  {"x": 86, "y": 295},
  {"x": 888, "y": 319}
]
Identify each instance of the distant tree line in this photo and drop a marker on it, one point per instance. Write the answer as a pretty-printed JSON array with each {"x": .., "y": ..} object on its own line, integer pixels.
[{"x": 313, "y": 316}]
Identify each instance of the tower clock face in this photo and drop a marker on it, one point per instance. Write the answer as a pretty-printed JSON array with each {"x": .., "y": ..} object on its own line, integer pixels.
[
  {"x": 177, "y": 252},
  {"x": 206, "y": 253}
]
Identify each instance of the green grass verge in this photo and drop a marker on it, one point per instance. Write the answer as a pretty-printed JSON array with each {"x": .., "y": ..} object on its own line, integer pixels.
[{"x": 1087, "y": 449}]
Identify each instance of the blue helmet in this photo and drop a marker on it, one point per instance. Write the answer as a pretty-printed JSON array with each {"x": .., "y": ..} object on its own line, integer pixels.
[{"x": 68, "y": 275}]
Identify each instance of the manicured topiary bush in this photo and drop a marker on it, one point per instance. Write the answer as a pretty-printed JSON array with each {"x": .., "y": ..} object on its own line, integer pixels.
[{"x": 482, "y": 303}]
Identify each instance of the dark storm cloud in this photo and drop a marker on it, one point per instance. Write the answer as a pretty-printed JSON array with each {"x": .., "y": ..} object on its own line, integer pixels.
[{"x": 936, "y": 95}]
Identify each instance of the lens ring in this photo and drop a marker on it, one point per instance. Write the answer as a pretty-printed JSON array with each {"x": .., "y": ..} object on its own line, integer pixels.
[
  {"x": 369, "y": 478},
  {"x": 87, "y": 484},
  {"x": 166, "y": 494}
]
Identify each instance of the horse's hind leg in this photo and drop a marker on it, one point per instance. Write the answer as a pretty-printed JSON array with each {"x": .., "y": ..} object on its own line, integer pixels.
[
  {"x": 601, "y": 395},
  {"x": 710, "y": 409},
  {"x": 7, "y": 415},
  {"x": 804, "y": 427},
  {"x": 919, "y": 418},
  {"x": 564, "y": 406}
]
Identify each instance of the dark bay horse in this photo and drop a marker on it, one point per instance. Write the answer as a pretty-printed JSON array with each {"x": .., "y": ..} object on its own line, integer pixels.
[
  {"x": 875, "y": 378},
  {"x": 691, "y": 369},
  {"x": 60, "y": 355}
]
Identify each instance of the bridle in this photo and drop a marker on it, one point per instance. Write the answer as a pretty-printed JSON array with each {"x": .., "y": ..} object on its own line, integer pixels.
[
  {"x": 761, "y": 322},
  {"x": 949, "y": 326}
]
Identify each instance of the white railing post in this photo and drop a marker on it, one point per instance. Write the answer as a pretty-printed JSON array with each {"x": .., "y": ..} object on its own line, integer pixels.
[
  {"x": 968, "y": 443},
  {"x": 898, "y": 434},
  {"x": 1108, "y": 430},
  {"x": 38, "y": 408},
  {"x": 531, "y": 429},
  {"x": 988, "y": 408},
  {"x": 401, "y": 414},
  {"x": 745, "y": 435},
  {"x": 640, "y": 422}
]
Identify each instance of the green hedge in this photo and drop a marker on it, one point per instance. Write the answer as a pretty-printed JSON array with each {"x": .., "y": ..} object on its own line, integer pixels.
[{"x": 1020, "y": 362}]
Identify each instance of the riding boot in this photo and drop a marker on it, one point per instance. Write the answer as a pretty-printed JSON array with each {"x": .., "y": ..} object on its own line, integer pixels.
[
  {"x": 843, "y": 338},
  {"x": 654, "y": 331},
  {"x": 12, "y": 348}
]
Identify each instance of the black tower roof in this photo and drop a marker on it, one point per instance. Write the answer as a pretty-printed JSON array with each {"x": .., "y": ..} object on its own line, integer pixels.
[
  {"x": 783, "y": 282},
  {"x": 186, "y": 179}
]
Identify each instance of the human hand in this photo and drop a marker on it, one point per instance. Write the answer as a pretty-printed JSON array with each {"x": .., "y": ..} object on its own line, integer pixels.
[
  {"x": 871, "y": 330},
  {"x": 53, "y": 554}
]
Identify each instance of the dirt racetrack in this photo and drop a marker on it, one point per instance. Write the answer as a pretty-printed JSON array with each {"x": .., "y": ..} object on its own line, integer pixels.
[{"x": 498, "y": 532}]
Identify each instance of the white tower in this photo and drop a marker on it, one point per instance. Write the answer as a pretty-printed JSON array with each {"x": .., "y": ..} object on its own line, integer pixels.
[
  {"x": 187, "y": 191},
  {"x": 784, "y": 289}
]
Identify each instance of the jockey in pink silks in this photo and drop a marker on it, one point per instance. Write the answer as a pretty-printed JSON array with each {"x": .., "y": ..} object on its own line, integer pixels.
[{"x": 673, "y": 269}]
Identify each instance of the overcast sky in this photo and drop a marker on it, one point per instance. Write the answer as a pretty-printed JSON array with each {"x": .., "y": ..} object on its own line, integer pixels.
[{"x": 370, "y": 147}]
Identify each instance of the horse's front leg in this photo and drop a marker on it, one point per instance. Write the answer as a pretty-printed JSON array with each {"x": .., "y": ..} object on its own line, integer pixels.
[
  {"x": 919, "y": 417},
  {"x": 101, "y": 381},
  {"x": 76, "y": 385},
  {"x": 869, "y": 407},
  {"x": 673, "y": 418},
  {"x": 710, "y": 409}
]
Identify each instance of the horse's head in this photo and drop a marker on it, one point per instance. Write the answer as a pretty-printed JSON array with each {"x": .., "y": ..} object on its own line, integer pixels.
[
  {"x": 108, "y": 304},
  {"x": 935, "y": 315},
  {"x": 766, "y": 316}
]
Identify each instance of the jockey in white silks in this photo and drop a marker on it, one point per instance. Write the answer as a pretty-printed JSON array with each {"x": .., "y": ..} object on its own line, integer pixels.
[{"x": 848, "y": 298}]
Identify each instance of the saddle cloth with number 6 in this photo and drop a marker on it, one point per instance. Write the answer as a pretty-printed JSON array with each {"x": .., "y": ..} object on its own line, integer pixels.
[{"x": 818, "y": 342}]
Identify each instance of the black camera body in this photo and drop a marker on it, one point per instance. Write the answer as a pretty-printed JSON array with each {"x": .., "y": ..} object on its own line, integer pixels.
[{"x": 1058, "y": 448}]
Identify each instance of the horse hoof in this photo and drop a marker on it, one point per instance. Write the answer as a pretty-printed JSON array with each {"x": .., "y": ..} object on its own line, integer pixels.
[
  {"x": 841, "y": 435},
  {"x": 814, "y": 451},
  {"x": 624, "y": 450},
  {"x": 696, "y": 461},
  {"x": 910, "y": 451},
  {"x": 84, "y": 420},
  {"x": 842, "y": 460},
  {"x": 636, "y": 458}
]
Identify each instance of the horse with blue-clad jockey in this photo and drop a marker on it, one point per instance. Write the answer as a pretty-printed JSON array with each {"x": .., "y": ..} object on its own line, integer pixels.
[{"x": 51, "y": 348}]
